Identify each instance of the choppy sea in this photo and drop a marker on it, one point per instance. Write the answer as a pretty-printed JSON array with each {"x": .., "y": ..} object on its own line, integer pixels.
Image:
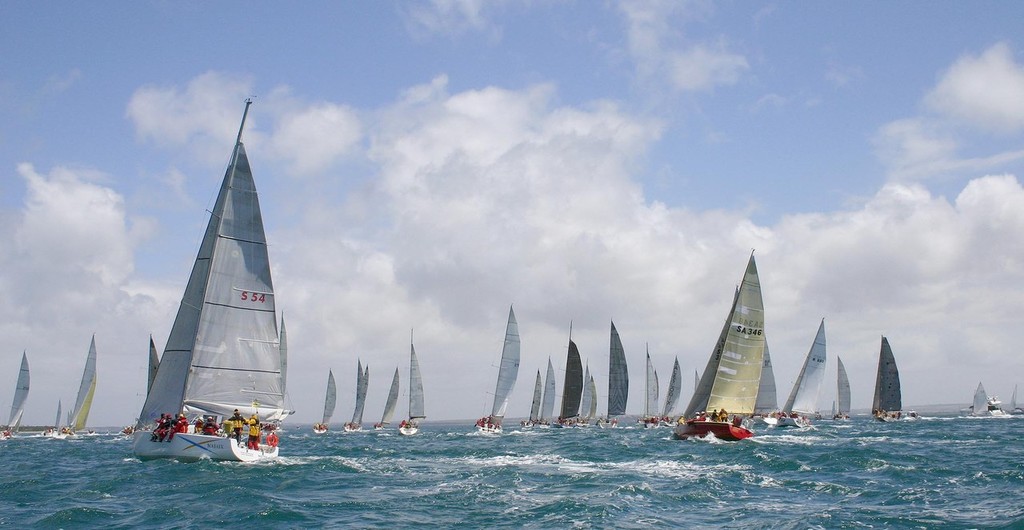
[{"x": 936, "y": 472}]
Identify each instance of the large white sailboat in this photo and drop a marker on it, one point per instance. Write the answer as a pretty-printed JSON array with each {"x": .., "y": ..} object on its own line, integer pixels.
[
  {"x": 508, "y": 371},
  {"x": 223, "y": 353},
  {"x": 330, "y": 400},
  {"x": 732, "y": 377},
  {"x": 416, "y": 411},
  {"x": 803, "y": 399},
  {"x": 20, "y": 396}
]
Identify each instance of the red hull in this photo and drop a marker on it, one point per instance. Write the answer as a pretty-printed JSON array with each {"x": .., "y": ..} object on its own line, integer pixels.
[{"x": 720, "y": 430}]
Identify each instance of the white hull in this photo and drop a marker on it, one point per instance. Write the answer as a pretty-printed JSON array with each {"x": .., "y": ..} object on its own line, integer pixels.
[
  {"x": 351, "y": 428},
  {"x": 195, "y": 447},
  {"x": 408, "y": 431},
  {"x": 786, "y": 421},
  {"x": 489, "y": 429},
  {"x": 319, "y": 431}
]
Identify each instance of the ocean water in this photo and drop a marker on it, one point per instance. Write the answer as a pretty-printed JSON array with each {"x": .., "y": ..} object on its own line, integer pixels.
[{"x": 936, "y": 472}]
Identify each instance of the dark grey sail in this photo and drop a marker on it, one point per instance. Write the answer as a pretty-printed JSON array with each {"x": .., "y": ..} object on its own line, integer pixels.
[
  {"x": 888, "y": 397},
  {"x": 618, "y": 376},
  {"x": 572, "y": 388}
]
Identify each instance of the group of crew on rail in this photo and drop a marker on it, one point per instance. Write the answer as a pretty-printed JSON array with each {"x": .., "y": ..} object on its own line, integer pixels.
[{"x": 168, "y": 425}]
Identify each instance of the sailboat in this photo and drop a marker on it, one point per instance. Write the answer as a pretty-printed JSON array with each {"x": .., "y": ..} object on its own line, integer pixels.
[
  {"x": 80, "y": 414},
  {"x": 675, "y": 387},
  {"x": 842, "y": 411},
  {"x": 732, "y": 376},
  {"x": 586, "y": 400},
  {"x": 538, "y": 394},
  {"x": 1014, "y": 409},
  {"x": 223, "y": 351},
  {"x": 985, "y": 405},
  {"x": 416, "y": 412},
  {"x": 362, "y": 385},
  {"x": 508, "y": 371},
  {"x": 56, "y": 431},
  {"x": 767, "y": 402},
  {"x": 650, "y": 417},
  {"x": 154, "y": 365},
  {"x": 20, "y": 395},
  {"x": 592, "y": 407},
  {"x": 389, "y": 404},
  {"x": 330, "y": 400},
  {"x": 572, "y": 386},
  {"x": 887, "y": 404},
  {"x": 547, "y": 405},
  {"x": 803, "y": 399},
  {"x": 618, "y": 380}
]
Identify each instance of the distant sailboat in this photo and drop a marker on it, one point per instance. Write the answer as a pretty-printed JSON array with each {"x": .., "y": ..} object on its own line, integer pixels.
[
  {"x": 538, "y": 395},
  {"x": 803, "y": 399},
  {"x": 223, "y": 351},
  {"x": 547, "y": 407},
  {"x": 362, "y": 385},
  {"x": 56, "y": 431},
  {"x": 675, "y": 387},
  {"x": 330, "y": 400},
  {"x": 985, "y": 405},
  {"x": 1014, "y": 409},
  {"x": 592, "y": 406},
  {"x": 80, "y": 414},
  {"x": 587, "y": 399},
  {"x": 767, "y": 396},
  {"x": 650, "y": 417},
  {"x": 154, "y": 365},
  {"x": 390, "y": 404},
  {"x": 20, "y": 395},
  {"x": 842, "y": 411},
  {"x": 508, "y": 371},
  {"x": 887, "y": 404},
  {"x": 618, "y": 379},
  {"x": 572, "y": 385},
  {"x": 416, "y": 411},
  {"x": 732, "y": 376}
]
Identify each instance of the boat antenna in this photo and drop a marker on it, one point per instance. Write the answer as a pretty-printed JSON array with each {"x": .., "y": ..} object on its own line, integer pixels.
[{"x": 570, "y": 330}]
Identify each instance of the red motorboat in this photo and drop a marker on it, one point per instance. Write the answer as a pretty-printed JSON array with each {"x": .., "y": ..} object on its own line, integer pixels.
[{"x": 719, "y": 429}]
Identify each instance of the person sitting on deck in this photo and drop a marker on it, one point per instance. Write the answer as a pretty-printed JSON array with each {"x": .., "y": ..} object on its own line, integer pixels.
[
  {"x": 210, "y": 427},
  {"x": 199, "y": 425}
]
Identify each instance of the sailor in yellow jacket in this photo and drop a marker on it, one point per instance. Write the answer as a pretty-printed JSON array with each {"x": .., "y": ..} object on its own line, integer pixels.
[{"x": 254, "y": 433}]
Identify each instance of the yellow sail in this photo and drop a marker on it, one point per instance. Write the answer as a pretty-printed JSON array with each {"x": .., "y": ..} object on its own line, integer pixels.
[
  {"x": 83, "y": 414},
  {"x": 738, "y": 374}
]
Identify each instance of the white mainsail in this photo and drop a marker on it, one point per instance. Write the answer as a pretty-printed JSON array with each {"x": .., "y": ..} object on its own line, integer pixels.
[
  {"x": 56, "y": 423},
  {"x": 732, "y": 376},
  {"x": 651, "y": 402},
  {"x": 80, "y": 414},
  {"x": 767, "y": 397},
  {"x": 548, "y": 403},
  {"x": 592, "y": 386},
  {"x": 223, "y": 351},
  {"x": 362, "y": 385},
  {"x": 807, "y": 388},
  {"x": 330, "y": 399},
  {"x": 392, "y": 401},
  {"x": 416, "y": 410},
  {"x": 20, "y": 395},
  {"x": 843, "y": 392},
  {"x": 675, "y": 387},
  {"x": 618, "y": 376},
  {"x": 980, "y": 407},
  {"x": 508, "y": 370},
  {"x": 283, "y": 348},
  {"x": 588, "y": 396}
]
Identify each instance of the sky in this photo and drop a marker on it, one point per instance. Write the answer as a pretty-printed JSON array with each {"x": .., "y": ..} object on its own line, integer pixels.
[{"x": 423, "y": 166}]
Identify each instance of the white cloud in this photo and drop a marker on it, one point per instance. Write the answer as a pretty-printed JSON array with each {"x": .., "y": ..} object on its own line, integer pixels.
[
  {"x": 660, "y": 51},
  {"x": 984, "y": 91},
  {"x": 449, "y": 17},
  {"x": 317, "y": 136}
]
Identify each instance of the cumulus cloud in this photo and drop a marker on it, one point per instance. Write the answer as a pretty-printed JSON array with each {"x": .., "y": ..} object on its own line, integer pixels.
[
  {"x": 315, "y": 137},
  {"x": 983, "y": 90},
  {"x": 449, "y": 17}
]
